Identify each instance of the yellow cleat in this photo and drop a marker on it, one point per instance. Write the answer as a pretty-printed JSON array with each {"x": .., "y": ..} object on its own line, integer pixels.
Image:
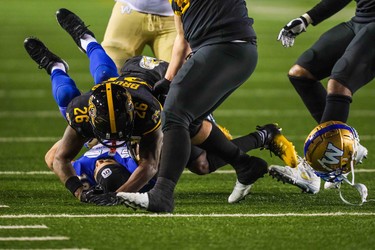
[
  {"x": 279, "y": 144},
  {"x": 225, "y": 132}
]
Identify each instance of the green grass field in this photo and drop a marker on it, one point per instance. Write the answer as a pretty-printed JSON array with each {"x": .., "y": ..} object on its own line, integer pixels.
[{"x": 37, "y": 212}]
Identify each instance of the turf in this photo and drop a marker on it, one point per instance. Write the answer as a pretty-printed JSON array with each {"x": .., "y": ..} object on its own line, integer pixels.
[{"x": 274, "y": 216}]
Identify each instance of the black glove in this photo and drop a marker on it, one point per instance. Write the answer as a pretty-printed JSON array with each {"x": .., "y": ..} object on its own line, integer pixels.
[
  {"x": 291, "y": 30},
  {"x": 97, "y": 196},
  {"x": 161, "y": 87}
]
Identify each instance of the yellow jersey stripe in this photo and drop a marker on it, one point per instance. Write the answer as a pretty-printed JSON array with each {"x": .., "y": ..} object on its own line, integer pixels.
[{"x": 111, "y": 111}]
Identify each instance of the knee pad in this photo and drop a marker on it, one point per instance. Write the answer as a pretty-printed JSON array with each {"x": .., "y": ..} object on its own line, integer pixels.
[
  {"x": 103, "y": 72},
  {"x": 64, "y": 94}
]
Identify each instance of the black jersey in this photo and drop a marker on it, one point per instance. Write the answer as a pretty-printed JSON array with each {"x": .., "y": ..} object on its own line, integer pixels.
[
  {"x": 147, "y": 68},
  {"x": 214, "y": 21},
  {"x": 147, "y": 108}
]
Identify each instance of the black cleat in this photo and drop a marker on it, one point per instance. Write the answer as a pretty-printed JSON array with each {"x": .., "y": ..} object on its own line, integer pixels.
[
  {"x": 72, "y": 24},
  {"x": 41, "y": 54},
  {"x": 278, "y": 144}
]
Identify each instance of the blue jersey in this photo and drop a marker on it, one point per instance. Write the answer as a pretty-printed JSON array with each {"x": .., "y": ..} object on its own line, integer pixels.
[{"x": 85, "y": 165}]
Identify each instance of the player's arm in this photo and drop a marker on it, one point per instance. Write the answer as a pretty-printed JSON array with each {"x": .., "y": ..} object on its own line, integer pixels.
[
  {"x": 68, "y": 148},
  {"x": 149, "y": 153},
  {"x": 320, "y": 12},
  {"x": 325, "y": 9},
  {"x": 50, "y": 155},
  {"x": 180, "y": 51}
]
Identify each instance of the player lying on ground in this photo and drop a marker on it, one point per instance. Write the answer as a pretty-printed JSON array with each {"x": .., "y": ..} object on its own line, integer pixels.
[{"x": 132, "y": 89}]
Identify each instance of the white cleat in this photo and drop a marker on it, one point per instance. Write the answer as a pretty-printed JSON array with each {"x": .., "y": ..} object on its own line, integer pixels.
[
  {"x": 331, "y": 185},
  {"x": 134, "y": 200},
  {"x": 302, "y": 176},
  {"x": 239, "y": 192}
]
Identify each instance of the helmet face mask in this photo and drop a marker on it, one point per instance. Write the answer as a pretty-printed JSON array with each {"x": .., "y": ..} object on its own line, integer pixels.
[
  {"x": 111, "y": 112},
  {"x": 330, "y": 148}
]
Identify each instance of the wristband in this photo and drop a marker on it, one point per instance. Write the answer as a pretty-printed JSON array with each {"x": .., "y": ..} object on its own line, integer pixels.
[{"x": 73, "y": 183}]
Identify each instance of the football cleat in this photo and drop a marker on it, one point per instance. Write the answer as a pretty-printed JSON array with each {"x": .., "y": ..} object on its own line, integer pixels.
[
  {"x": 152, "y": 202},
  {"x": 225, "y": 131},
  {"x": 72, "y": 24},
  {"x": 41, "y": 54},
  {"x": 278, "y": 144},
  {"x": 134, "y": 200},
  {"x": 302, "y": 176},
  {"x": 331, "y": 185},
  {"x": 239, "y": 192}
]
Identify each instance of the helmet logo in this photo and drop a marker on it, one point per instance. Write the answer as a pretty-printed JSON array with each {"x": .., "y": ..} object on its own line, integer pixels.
[
  {"x": 156, "y": 116},
  {"x": 149, "y": 62},
  {"x": 106, "y": 173},
  {"x": 92, "y": 111},
  {"x": 332, "y": 154}
]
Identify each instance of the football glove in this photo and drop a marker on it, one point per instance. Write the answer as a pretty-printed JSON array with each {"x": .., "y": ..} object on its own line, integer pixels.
[
  {"x": 161, "y": 87},
  {"x": 97, "y": 196},
  {"x": 291, "y": 30}
]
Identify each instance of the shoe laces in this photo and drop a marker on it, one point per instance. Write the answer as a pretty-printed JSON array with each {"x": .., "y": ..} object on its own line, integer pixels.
[{"x": 75, "y": 27}]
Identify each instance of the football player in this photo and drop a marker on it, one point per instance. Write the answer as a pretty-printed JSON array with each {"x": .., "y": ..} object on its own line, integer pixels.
[
  {"x": 136, "y": 23},
  {"x": 96, "y": 113},
  {"x": 345, "y": 54},
  {"x": 99, "y": 166},
  {"x": 224, "y": 55}
]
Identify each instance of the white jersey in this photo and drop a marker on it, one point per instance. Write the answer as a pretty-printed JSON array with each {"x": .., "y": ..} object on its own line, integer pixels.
[{"x": 156, "y": 7}]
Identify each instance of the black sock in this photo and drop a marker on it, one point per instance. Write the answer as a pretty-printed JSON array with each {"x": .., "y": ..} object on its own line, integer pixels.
[
  {"x": 218, "y": 145},
  {"x": 249, "y": 142},
  {"x": 312, "y": 93},
  {"x": 245, "y": 143},
  {"x": 337, "y": 108},
  {"x": 175, "y": 153}
]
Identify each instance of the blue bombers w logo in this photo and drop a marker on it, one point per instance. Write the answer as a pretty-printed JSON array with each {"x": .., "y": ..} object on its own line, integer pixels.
[{"x": 332, "y": 155}]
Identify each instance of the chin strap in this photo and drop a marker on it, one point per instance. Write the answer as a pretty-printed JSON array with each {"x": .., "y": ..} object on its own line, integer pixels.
[{"x": 361, "y": 188}]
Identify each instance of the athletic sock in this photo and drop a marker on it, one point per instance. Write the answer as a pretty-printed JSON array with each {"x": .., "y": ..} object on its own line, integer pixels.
[
  {"x": 85, "y": 40},
  {"x": 337, "y": 108},
  {"x": 175, "y": 153},
  {"x": 312, "y": 93},
  {"x": 245, "y": 143}
]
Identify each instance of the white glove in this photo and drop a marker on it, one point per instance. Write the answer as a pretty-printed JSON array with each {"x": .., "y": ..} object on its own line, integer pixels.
[{"x": 291, "y": 30}]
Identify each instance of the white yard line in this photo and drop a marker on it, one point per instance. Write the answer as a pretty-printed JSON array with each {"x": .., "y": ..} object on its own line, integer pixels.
[
  {"x": 45, "y": 238},
  {"x": 185, "y": 172},
  {"x": 18, "y": 216},
  {"x": 3, "y": 206},
  {"x": 23, "y": 227}
]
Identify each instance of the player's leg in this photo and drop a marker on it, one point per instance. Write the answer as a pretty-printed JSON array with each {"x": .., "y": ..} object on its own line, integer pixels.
[
  {"x": 123, "y": 37},
  {"x": 352, "y": 71},
  {"x": 164, "y": 37},
  {"x": 315, "y": 64},
  {"x": 64, "y": 88},
  {"x": 180, "y": 110},
  {"x": 101, "y": 65}
]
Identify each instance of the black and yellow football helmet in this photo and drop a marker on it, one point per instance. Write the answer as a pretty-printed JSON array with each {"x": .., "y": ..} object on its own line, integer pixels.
[
  {"x": 330, "y": 148},
  {"x": 111, "y": 112}
]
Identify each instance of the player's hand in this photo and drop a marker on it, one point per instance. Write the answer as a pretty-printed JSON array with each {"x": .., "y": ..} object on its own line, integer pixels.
[
  {"x": 291, "y": 30},
  {"x": 97, "y": 196},
  {"x": 161, "y": 87}
]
